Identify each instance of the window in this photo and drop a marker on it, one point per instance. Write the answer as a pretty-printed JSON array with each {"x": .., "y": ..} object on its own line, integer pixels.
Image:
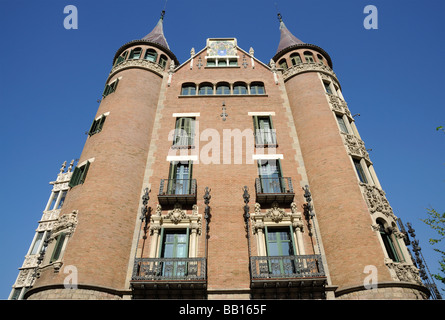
[
  {"x": 52, "y": 205},
  {"x": 309, "y": 57},
  {"x": 180, "y": 177},
  {"x": 62, "y": 199},
  {"x": 97, "y": 125},
  {"x": 327, "y": 87},
  {"x": 257, "y": 88},
  {"x": 239, "y": 88},
  {"x": 279, "y": 243},
  {"x": 264, "y": 133},
  {"x": 283, "y": 64},
  {"x": 121, "y": 58},
  {"x": 37, "y": 242},
  {"x": 151, "y": 55},
  {"x": 184, "y": 132},
  {"x": 320, "y": 58},
  {"x": 223, "y": 88},
  {"x": 60, "y": 240},
  {"x": 188, "y": 89},
  {"x": 233, "y": 62},
  {"x": 222, "y": 63},
  {"x": 295, "y": 59},
  {"x": 386, "y": 235},
  {"x": 163, "y": 61},
  {"x": 110, "y": 88},
  {"x": 360, "y": 171},
  {"x": 211, "y": 63},
  {"x": 174, "y": 245},
  {"x": 270, "y": 176},
  {"x": 342, "y": 124},
  {"x": 79, "y": 175},
  {"x": 135, "y": 54},
  {"x": 205, "y": 89}
]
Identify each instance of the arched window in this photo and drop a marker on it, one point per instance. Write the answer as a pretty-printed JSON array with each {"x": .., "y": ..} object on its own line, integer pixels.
[
  {"x": 320, "y": 58},
  {"x": 188, "y": 89},
  {"x": 239, "y": 88},
  {"x": 151, "y": 55},
  {"x": 205, "y": 89},
  {"x": 257, "y": 88},
  {"x": 295, "y": 58},
  {"x": 163, "y": 61},
  {"x": 121, "y": 58},
  {"x": 387, "y": 239},
  {"x": 283, "y": 64},
  {"x": 135, "y": 53},
  {"x": 309, "y": 57},
  {"x": 223, "y": 88}
]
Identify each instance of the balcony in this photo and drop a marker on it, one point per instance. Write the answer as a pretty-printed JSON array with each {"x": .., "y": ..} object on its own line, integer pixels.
[
  {"x": 167, "y": 277},
  {"x": 266, "y": 138},
  {"x": 173, "y": 191},
  {"x": 301, "y": 275},
  {"x": 277, "y": 189}
]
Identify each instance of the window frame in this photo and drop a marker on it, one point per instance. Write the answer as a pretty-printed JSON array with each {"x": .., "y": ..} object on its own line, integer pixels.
[{"x": 79, "y": 175}]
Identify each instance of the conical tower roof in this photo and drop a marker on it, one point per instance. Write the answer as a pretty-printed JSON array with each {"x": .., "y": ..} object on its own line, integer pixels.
[
  {"x": 287, "y": 39},
  {"x": 157, "y": 34}
]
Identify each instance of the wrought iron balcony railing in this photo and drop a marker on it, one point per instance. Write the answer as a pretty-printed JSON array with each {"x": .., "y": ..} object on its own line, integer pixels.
[
  {"x": 169, "y": 269},
  {"x": 278, "y": 189},
  {"x": 298, "y": 267},
  {"x": 177, "y": 190},
  {"x": 183, "y": 140}
]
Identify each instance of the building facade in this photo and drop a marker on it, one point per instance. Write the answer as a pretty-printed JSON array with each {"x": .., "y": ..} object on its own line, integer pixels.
[{"x": 222, "y": 177}]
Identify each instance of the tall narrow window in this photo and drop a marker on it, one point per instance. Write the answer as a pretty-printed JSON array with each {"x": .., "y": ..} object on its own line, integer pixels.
[
  {"x": 180, "y": 177},
  {"x": 52, "y": 205},
  {"x": 175, "y": 246},
  {"x": 279, "y": 244},
  {"x": 283, "y": 64},
  {"x": 257, "y": 88},
  {"x": 97, "y": 125},
  {"x": 342, "y": 124},
  {"x": 388, "y": 242},
  {"x": 184, "y": 132},
  {"x": 360, "y": 171},
  {"x": 79, "y": 175},
  {"x": 151, "y": 55},
  {"x": 270, "y": 176},
  {"x": 37, "y": 242},
  {"x": 62, "y": 199},
  {"x": 60, "y": 240},
  {"x": 327, "y": 87},
  {"x": 163, "y": 61},
  {"x": 264, "y": 133},
  {"x": 110, "y": 88},
  {"x": 121, "y": 58}
]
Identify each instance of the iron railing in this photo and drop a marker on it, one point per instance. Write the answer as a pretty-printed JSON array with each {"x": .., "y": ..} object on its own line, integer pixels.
[
  {"x": 169, "y": 269},
  {"x": 285, "y": 267},
  {"x": 265, "y": 138},
  {"x": 274, "y": 185}
]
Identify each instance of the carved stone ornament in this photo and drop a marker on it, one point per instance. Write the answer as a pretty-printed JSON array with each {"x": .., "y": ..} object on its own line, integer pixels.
[
  {"x": 177, "y": 214},
  {"x": 376, "y": 200},
  {"x": 404, "y": 272},
  {"x": 308, "y": 67},
  {"x": 275, "y": 213},
  {"x": 339, "y": 105},
  {"x": 141, "y": 63},
  {"x": 66, "y": 222},
  {"x": 356, "y": 147}
]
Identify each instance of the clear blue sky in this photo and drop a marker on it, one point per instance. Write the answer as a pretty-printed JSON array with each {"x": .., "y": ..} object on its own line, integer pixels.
[{"x": 51, "y": 79}]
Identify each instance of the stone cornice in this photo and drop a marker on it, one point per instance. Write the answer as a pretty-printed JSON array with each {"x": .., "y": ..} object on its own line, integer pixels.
[
  {"x": 141, "y": 64},
  {"x": 308, "y": 67}
]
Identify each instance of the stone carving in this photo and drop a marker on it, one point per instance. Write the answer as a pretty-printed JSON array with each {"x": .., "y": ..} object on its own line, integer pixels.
[
  {"x": 404, "y": 272},
  {"x": 141, "y": 63},
  {"x": 66, "y": 222},
  {"x": 275, "y": 213},
  {"x": 339, "y": 105},
  {"x": 177, "y": 214},
  {"x": 356, "y": 147},
  {"x": 376, "y": 200},
  {"x": 308, "y": 67}
]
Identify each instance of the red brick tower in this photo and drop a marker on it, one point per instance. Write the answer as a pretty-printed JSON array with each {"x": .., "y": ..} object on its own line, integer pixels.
[
  {"x": 94, "y": 233},
  {"x": 361, "y": 240}
]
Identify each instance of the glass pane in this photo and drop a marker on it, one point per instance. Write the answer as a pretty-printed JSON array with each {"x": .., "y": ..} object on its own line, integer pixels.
[
  {"x": 53, "y": 200},
  {"x": 62, "y": 200},
  {"x": 37, "y": 243}
]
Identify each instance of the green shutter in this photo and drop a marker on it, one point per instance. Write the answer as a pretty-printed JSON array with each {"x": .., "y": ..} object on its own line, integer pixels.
[
  {"x": 84, "y": 172},
  {"x": 74, "y": 181}
]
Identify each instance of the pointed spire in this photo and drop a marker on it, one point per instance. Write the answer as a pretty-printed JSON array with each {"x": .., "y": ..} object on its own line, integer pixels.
[
  {"x": 157, "y": 34},
  {"x": 287, "y": 39}
]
